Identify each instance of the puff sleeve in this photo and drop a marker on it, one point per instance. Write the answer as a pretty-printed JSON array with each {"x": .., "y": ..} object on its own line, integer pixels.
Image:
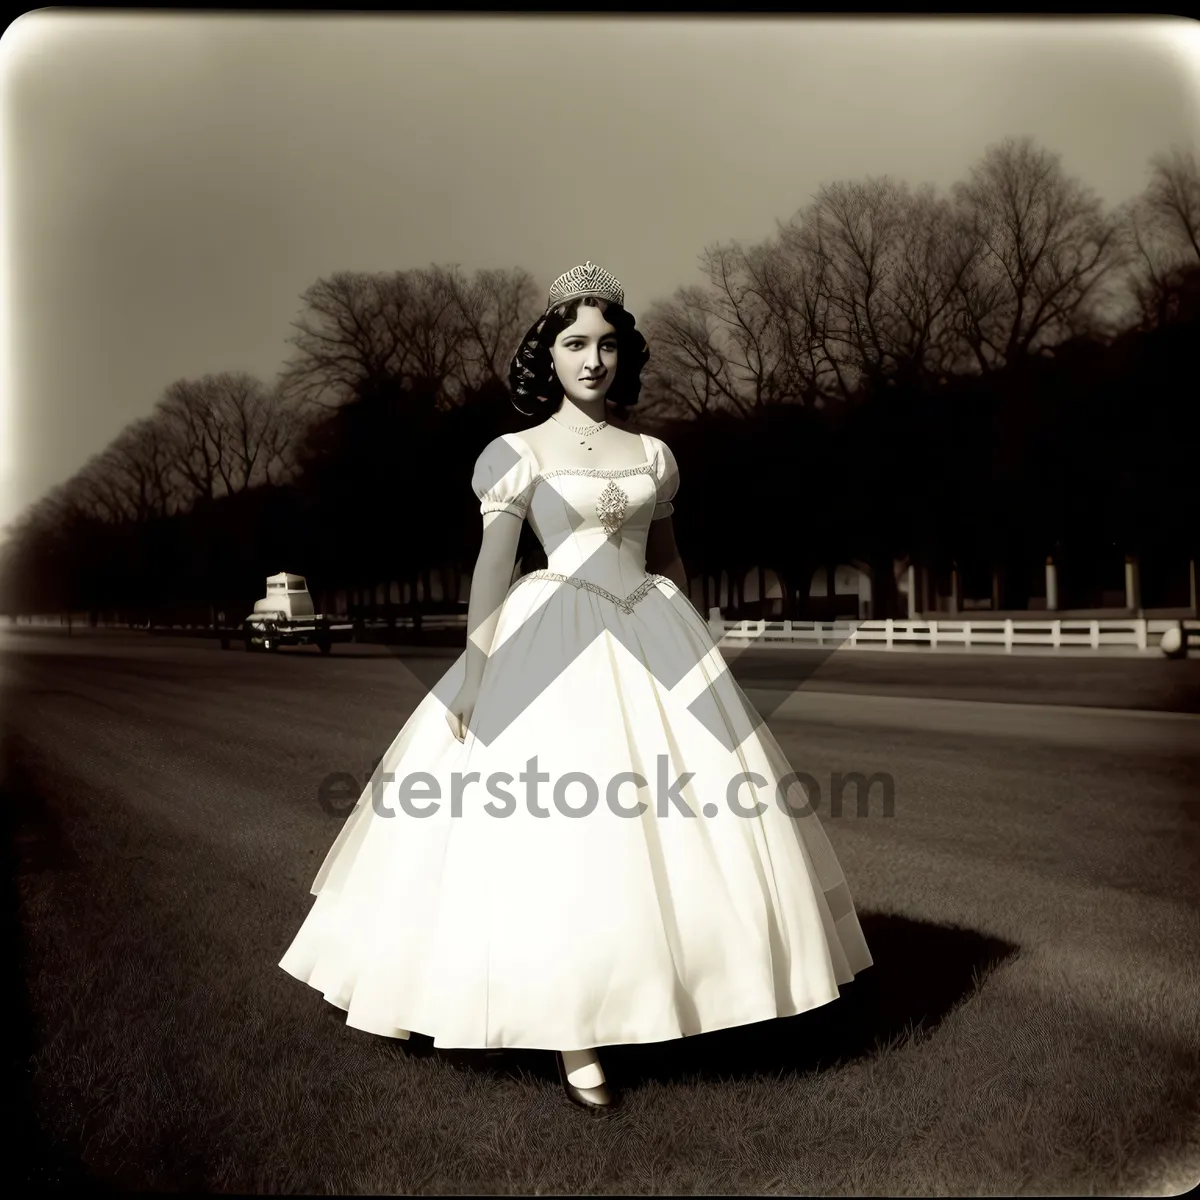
[
  {"x": 666, "y": 479},
  {"x": 504, "y": 476}
]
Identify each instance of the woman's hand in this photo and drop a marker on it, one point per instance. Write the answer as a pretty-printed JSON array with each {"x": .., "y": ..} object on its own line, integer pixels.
[{"x": 459, "y": 710}]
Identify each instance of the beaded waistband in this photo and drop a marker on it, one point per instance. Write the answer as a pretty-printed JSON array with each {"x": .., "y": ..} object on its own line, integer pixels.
[{"x": 625, "y": 604}]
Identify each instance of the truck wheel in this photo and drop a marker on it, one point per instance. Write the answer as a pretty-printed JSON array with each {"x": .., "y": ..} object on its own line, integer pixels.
[
  {"x": 249, "y": 644},
  {"x": 324, "y": 645}
]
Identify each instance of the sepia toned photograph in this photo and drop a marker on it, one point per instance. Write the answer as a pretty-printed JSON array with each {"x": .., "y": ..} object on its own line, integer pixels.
[{"x": 601, "y": 604}]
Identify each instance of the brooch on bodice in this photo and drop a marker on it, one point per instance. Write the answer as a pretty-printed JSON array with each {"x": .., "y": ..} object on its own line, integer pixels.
[{"x": 611, "y": 508}]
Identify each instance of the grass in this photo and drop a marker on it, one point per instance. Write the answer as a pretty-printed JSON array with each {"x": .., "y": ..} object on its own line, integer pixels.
[{"x": 1030, "y": 1025}]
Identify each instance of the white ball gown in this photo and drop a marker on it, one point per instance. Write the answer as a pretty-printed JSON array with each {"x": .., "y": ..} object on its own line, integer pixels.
[{"x": 511, "y": 915}]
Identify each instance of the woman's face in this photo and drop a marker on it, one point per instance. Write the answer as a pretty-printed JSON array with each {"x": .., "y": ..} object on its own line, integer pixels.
[{"x": 585, "y": 355}]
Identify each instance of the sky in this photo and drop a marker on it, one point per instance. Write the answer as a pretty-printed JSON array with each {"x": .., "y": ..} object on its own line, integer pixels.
[{"x": 173, "y": 182}]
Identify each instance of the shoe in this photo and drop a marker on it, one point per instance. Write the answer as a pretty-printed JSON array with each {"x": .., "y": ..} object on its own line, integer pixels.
[{"x": 597, "y": 1100}]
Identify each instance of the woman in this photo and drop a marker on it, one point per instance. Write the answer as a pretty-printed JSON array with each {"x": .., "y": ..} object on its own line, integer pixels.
[{"x": 584, "y": 836}]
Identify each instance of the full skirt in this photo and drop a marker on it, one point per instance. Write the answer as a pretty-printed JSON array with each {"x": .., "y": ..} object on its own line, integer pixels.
[{"x": 452, "y": 905}]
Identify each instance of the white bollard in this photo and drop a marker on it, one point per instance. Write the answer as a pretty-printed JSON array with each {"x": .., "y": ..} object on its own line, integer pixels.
[{"x": 1173, "y": 642}]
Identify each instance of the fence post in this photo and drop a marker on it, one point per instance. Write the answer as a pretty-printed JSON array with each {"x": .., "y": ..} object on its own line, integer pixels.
[
  {"x": 1008, "y": 635},
  {"x": 933, "y": 635},
  {"x": 1056, "y": 634},
  {"x": 1140, "y": 625},
  {"x": 1133, "y": 584},
  {"x": 888, "y": 627},
  {"x": 966, "y": 633},
  {"x": 1095, "y": 635}
]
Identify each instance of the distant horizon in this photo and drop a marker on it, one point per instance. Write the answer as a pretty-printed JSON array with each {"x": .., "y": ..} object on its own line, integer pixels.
[{"x": 170, "y": 199}]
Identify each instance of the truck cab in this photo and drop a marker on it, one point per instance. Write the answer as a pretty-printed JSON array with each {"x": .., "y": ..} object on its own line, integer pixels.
[
  {"x": 285, "y": 617},
  {"x": 286, "y": 595}
]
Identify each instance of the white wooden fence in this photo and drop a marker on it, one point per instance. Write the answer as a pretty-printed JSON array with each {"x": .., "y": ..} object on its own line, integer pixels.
[
  {"x": 1095, "y": 634},
  {"x": 885, "y": 634},
  {"x": 889, "y": 634}
]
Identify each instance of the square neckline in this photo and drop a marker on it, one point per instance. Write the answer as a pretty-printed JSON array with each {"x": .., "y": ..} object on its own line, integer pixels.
[{"x": 646, "y": 467}]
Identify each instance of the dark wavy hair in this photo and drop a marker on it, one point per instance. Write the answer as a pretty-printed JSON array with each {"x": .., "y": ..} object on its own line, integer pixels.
[{"x": 534, "y": 384}]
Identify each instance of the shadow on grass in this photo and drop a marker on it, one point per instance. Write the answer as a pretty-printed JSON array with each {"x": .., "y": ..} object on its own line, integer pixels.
[{"x": 920, "y": 974}]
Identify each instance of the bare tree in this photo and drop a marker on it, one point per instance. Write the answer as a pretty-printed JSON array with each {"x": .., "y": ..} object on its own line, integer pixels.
[
  {"x": 1043, "y": 254},
  {"x": 871, "y": 281},
  {"x": 38, "y": 560},
  {"x": 688, "y": 370},
  {"x": 33, "y": 573},
  {"x": 258, "y": 429},
  {"x": 495, "y": 307},
  {"x": 224, "y": 433},
  {"x": 433, "y": 331},
  {"x": 851, "y": 231},
  {"x": 717, "y": 347},
  {"x": 862, "y": 281},
  {"x": 1173, "y": 200},
  {"x": 50, "y": 515},
  {"x": 365, "y": 334},
  {"x": 97, "y": 492},
  {"x": 746, "y": 323},
  {"x": 1162, "y": 233},
  {"x": 935, "y": 248},
  {"x": 137, "y": 468},
  {"x": 348, "y": 338},
  {"x": 188, "y": 412},
  {"x": 795, "y": 286}
]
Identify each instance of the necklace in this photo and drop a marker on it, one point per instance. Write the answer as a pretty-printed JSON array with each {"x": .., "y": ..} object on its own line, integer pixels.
[{"x": 585, "y": 431}]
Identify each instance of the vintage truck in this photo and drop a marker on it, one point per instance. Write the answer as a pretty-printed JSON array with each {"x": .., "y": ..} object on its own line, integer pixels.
[{"x": 285, "y": 617}]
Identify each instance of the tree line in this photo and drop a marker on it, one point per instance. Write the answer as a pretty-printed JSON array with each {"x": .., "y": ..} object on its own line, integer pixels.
[{"x": 974, "y": 379}]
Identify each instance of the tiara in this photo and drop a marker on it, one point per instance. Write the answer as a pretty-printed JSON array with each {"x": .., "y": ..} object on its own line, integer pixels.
[{"x": 587, "y": 280}]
